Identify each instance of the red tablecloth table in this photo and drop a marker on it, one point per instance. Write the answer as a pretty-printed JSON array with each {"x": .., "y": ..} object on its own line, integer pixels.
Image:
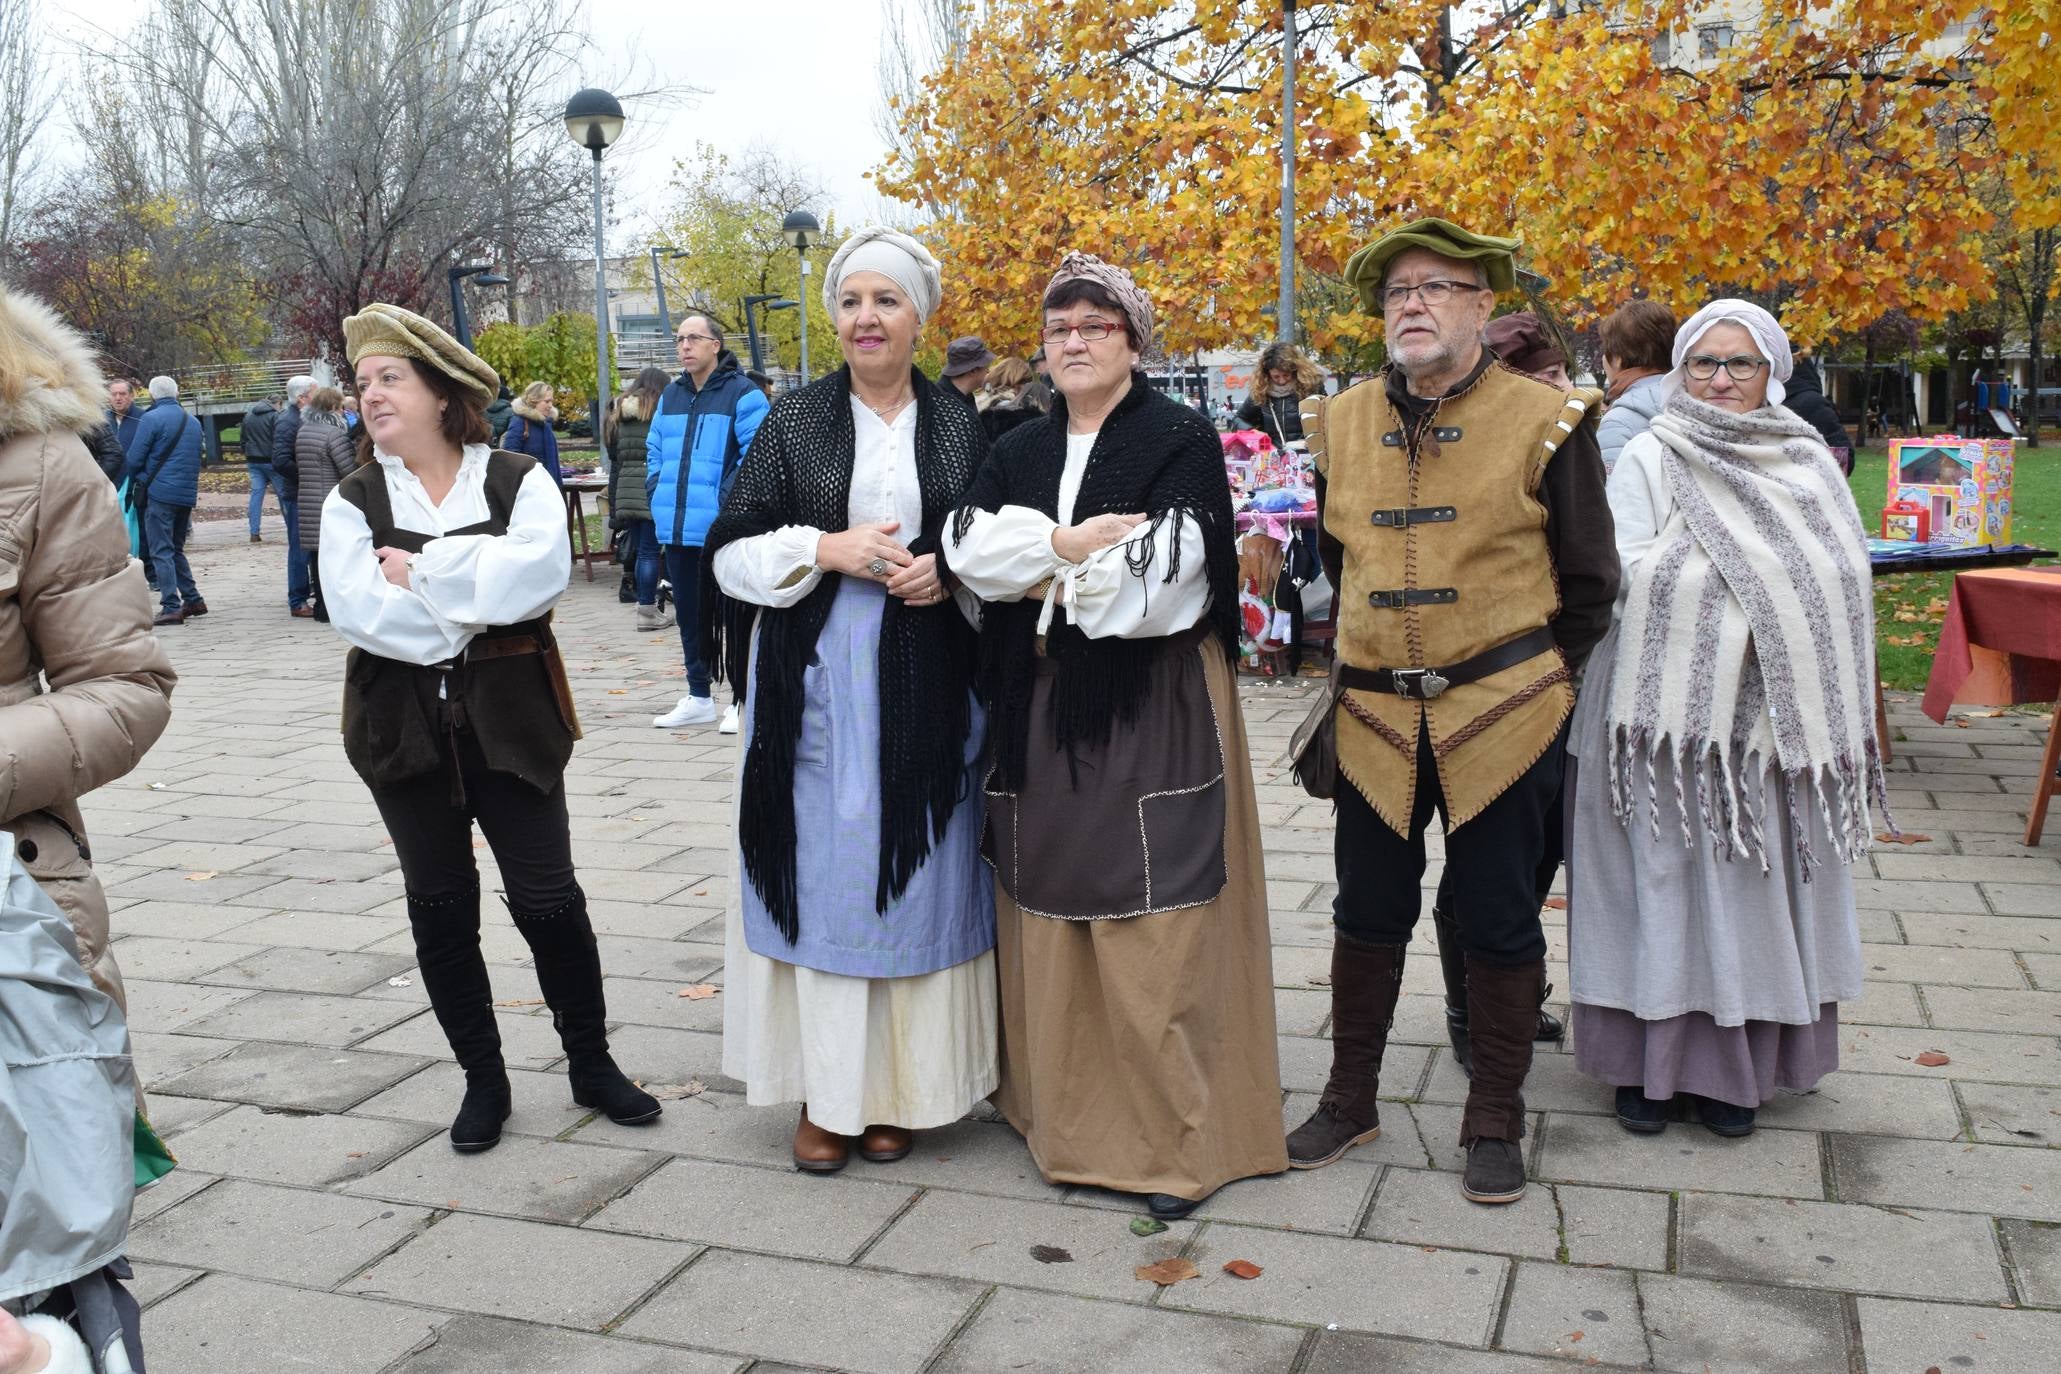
[{"x": 2001, "y": 646}]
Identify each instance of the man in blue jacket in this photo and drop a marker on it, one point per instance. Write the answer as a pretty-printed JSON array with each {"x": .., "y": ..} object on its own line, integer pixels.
[
  {"x": 164, "y": 465},
  {"x": 706, "y": 420}
]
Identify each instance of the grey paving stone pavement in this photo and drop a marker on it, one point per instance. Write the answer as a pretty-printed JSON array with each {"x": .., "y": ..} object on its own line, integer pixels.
[{"x": 1904, "y": 1216}]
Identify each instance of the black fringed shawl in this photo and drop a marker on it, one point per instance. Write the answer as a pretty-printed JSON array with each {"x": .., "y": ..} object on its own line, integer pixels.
[
  {"x": 1152, "y": 455},
  {"x": 799, "y": 472}
]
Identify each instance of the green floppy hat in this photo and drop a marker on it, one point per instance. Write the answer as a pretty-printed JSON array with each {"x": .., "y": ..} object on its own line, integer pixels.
[{"x": 1497, "y": 257}]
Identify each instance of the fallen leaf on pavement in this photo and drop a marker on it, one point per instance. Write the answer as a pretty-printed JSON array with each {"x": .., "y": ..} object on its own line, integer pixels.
[
  {"x": 1243, "y": 1269},
  {"x": 1051, "y": 1254},
  {"x": 1575, "y": 1337},
  {"x": 1907, "y": 837},
  {"x": 1322, "y": 980},
  {"x": 521, "y": 1002},
  {"x": 700, "y": 992},
  {"x": 1932, "y": 1059},
  {"x": 673, "y": 1092},
  {"x": 1147, "y": 1226},
  {"x": 198, "y": 877},
  {"x": 618, "y": 691},
  {"x": 1167, "y": 1271}
]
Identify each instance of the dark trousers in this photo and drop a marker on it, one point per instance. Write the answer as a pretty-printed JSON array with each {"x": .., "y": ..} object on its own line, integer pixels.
[
  {"x": 1492, "y": 861},
  {"x": 300, "y": 566},
  {"x": 683, "y": 568},
  {"x": 527, "y": 830},
  {"x": 641, "y": 559},
  {"x": 166, "y": 528}
]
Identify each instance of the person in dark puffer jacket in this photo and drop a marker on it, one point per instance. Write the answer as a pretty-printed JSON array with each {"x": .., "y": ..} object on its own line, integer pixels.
[
  {"x": 1806, "y": 399},
  {"x": 628, "y": 503},
  {"x": 165, "y": 465},
  {"x": 325, "y": 452}
]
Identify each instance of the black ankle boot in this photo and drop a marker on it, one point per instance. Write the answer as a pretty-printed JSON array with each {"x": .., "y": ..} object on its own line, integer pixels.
[
  {"x": 487, "y": 1104},
  {"x": 454, "y": 974},
  {"x": 569, "y": 974}
]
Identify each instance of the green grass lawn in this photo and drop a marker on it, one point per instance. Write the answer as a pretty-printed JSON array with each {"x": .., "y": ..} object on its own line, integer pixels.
[{"x": 1910, "y": 607}]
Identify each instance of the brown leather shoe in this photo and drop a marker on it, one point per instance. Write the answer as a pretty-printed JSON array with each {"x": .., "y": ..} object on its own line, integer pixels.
[
  {"x": 885, "y": 1144},
  {"x": 195, "y": 608},
  {"x": 817, "y": 1151},
  {"x": 173, "y": 617},
  {"x": 1365, "y": 982},
  {"x": 302, "y": 613}
]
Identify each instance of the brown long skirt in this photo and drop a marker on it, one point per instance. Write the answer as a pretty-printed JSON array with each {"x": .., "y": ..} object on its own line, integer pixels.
[{"x": 1138, "y": 1053}]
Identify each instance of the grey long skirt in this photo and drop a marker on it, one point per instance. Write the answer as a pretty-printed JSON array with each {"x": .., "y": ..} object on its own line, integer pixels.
[{"x": 1690, "y": 972}]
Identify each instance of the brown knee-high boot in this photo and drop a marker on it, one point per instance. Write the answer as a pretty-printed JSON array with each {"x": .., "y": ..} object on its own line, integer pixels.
[
  {"x": 1503, "y": 1011},
  {"x": 1365, "y": 982}
]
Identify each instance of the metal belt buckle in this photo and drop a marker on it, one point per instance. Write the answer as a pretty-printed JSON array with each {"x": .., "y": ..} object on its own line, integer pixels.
[{"x": 1418, "y": 684}]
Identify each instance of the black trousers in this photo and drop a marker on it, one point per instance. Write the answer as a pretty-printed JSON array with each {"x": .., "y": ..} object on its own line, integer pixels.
[
  {"x": 527, "y": 830},
  {"x": 1492, "y": 863}
]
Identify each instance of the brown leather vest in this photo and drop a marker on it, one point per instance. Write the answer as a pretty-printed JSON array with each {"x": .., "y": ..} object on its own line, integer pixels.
[
  {"x": 1445, "y": 557},
  {"x": 506, "y": 688}
]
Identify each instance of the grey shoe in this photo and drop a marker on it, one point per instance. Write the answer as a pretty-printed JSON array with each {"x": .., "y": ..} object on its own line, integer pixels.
[{"x": 652, "y": 618}]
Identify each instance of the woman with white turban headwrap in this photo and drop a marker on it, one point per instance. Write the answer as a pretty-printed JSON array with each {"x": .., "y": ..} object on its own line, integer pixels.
[
  {"x": 1727, "y": 736},
  {"x": 861, "y": 983}
]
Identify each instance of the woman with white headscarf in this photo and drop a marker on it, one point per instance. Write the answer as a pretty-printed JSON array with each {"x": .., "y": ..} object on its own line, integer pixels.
[
  {"x": 861, "y": 982},
  {"x": 1727, "y": 736}
]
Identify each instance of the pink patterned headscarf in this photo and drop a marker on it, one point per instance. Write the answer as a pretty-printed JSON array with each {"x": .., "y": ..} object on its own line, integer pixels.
[{"x": 1135, "y": 304}]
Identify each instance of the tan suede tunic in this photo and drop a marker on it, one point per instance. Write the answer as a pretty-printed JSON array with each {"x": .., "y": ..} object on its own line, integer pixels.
[{"x": 1481, "y": 455}]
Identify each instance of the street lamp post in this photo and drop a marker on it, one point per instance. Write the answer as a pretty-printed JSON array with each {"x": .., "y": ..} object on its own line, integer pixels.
[
  {"x": 461, "y": 321},
  {"x": 594, "y": 118},
  {"x": 658, "y": 283},
  {"x": 751, "y": 325},
  {"x": 1284, "y": 318},
  {"x": 802, "y": 231}
]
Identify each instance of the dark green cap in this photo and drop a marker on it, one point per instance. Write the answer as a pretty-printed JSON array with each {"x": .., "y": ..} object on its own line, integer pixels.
[{"x": 1497, "y": 257}]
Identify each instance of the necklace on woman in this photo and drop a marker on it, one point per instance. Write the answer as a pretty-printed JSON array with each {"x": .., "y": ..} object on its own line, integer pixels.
[{"x": 885, "y": 412}]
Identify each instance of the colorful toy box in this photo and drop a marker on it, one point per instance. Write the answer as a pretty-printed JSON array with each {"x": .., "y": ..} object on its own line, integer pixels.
[{"x": 1964, "y": 486}]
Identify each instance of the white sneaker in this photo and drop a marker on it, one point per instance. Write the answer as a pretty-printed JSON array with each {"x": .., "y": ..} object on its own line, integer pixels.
[
  {"x": 729, "y": 725},
  {"x": 690, "y": 711}
]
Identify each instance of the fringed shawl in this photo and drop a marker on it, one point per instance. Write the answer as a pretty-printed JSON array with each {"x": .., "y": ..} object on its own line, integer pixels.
[
  {"x": 1748, "y": 637},
  {"x": 1152, "y": 455},
  {"x": 799, "y": 472}
]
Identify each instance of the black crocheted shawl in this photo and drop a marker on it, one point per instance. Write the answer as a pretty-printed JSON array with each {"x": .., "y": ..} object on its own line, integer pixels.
[
  {"x": 799, "y": 472},
  {"x": 1152, "y": 455}
]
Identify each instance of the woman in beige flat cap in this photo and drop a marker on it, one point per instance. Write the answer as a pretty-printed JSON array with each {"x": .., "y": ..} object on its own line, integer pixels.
[{"x": 441, "y": 561}]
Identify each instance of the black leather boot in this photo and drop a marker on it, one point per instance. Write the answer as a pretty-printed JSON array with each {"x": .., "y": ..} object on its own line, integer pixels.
[
  {"x": 447, "y": 955},
  {"x": 1503, "y": 1010},
  {"x": 1452, "y": 962},
  {"x": 1365, "y": 982},
  {"x": 569, "y": 974}
]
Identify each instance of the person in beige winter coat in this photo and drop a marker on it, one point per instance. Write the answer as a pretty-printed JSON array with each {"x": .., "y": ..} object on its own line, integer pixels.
[{"x": 85, "y": 688}]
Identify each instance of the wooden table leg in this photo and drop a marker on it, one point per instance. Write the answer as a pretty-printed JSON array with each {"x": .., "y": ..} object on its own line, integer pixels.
[
  {"x": 576, "y": 522},
  {"x": 2036, "y": 818},
  {"x": 1882, "y": 724}
]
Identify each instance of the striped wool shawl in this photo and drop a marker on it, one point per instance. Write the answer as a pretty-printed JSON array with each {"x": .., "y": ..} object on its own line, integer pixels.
[{"x": 1748, "y": 638}]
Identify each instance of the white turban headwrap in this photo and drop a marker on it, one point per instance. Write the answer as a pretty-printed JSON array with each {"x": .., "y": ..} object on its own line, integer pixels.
[
  {"x": 894, "y": 255},
  {"x": 1766, "y": 331}
]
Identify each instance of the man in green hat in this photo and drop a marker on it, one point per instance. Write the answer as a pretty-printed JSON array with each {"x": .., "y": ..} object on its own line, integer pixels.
[{"x": 1463, "y": 523}]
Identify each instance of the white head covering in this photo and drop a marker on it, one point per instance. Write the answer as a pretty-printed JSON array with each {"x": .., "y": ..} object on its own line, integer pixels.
[
  {"x": 896, "y": 256},
  {"x": 1766, "y": 331}
]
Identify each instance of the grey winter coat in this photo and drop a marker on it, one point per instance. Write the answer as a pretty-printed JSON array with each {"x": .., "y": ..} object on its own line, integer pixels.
[
  {"x": 1629, "y": 417},
  {"x": 326, "y": 453}
]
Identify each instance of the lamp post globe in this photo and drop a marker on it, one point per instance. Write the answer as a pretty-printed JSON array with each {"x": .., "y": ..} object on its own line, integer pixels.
[{"x": 594, "y": 118}]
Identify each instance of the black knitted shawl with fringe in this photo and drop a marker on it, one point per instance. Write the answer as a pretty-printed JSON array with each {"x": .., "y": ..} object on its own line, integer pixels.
[
  {"x": 799, "y": 472},
  {"x": 1152, "y": 455}
]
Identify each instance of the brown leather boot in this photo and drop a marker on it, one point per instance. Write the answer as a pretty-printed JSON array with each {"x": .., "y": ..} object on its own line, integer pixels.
[
  {"x": 885, "y": 1144},
  {"x": 1365, "y": 982},
  {"x": 817, "y": 1151},
  {"x": 1503, "y": 1015}
]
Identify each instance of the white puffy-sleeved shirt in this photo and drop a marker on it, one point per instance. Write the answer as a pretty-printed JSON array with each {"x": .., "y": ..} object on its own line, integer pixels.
[
  {"x": 779, "y": 569},
  {"x": 1005, "y": 553},
  {"x": 459, "y": 584}
]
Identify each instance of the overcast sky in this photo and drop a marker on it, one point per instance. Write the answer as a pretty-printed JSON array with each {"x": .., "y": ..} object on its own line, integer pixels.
[{"x": 798, "y": 75}]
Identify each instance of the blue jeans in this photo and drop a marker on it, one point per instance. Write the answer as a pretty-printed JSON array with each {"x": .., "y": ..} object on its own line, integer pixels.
[
  {"x": 683, "y": 566},
  {"x": 166, "y": 527},
  {"x": 641, "y": 552},
  {"x": 296, "y": 561},
  {"x": 262, "y": 476}
]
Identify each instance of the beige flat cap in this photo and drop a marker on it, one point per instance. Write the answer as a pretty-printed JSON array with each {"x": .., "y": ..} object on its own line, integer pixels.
[{"x": 390, "y": 331}]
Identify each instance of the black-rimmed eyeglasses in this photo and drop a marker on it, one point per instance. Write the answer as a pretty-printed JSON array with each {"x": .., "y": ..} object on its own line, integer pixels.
[
  {"x": 1703, "y": 367},
  {"x": 1433, "y": 292}
]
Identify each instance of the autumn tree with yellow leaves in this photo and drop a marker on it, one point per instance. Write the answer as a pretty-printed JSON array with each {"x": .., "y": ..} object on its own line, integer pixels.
[{"x": 1826, "y": 161}]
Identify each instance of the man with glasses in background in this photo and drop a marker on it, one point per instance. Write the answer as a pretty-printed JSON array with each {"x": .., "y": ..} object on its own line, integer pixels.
[
  {"x": 1463, "y": 522},
  {"x": 707, "y": 417}
]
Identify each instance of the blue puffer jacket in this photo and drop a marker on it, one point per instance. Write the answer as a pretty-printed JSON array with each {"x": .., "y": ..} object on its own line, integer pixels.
[
  {"x": 696, "y": 442},
  {"x": 167, "y": 451}
]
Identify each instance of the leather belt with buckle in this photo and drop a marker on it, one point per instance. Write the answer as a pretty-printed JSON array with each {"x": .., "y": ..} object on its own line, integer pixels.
[{"x": 1428, "y": 684}]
